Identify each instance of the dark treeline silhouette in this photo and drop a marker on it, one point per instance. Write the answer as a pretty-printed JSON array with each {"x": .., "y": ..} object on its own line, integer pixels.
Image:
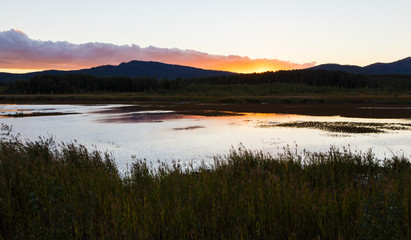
[
  {"x": 337, "y": 79},
  {"x": 80, "y": 83}
]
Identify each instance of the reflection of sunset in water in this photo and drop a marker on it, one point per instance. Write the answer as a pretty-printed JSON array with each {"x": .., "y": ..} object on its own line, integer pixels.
[
  {"x": 189, "y": 134},
  {"x": 154, "y": 116}
]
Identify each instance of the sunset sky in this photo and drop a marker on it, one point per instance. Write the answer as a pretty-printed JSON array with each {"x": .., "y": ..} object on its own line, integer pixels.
[{"x": 241, "y": 36}]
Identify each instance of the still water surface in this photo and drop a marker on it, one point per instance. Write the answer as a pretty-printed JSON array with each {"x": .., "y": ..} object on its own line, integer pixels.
[{"x": 166, "y": 135}]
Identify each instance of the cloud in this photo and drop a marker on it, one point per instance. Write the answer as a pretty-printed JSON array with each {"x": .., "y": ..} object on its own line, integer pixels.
[{"x": 18, "y": 51}]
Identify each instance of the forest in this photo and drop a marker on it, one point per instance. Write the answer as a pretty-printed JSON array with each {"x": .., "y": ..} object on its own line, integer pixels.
[{"x": 301, "y": 81}]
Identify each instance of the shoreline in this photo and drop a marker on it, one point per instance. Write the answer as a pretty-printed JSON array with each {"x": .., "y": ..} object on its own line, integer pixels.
[
  {"x": 360, "y": 109},
  {"x": 102, "y": 98}
]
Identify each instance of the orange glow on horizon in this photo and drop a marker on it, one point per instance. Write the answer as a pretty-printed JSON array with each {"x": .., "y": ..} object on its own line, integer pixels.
[
  {"x": 232, "y": 68},
  {"x": 231, "y": 65},
  {"x": 251, "y": 65},
  {"x": 18, "y": 70},
  {"x": 248, "y": 68},
  {"x": 22, "y": 54}
]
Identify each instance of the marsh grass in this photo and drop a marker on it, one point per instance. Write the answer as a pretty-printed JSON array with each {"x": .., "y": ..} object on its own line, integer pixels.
[
  {"x": 37, "y": 114},
  {"x": 189, "y": 128},
  {"x": 50, "y": 191},
  {"x": 346, "y": 127}
]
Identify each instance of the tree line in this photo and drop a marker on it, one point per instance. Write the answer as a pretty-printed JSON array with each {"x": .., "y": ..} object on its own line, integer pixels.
[{"x": 81, "y": 83}]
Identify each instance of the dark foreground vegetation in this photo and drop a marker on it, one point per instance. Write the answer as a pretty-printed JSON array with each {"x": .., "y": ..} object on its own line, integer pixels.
[
  {"x": 257, "y": 87},
  {"x": 68, "y": 192}
]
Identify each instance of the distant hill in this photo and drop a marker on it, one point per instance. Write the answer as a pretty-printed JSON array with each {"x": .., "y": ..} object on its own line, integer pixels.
[
  {"x": 399, "y": 67},
  {"x": 129, "y": 69}
]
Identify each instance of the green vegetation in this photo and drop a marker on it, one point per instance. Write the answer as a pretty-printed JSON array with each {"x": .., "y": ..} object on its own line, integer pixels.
[
  {"x": 297, "y": 86},
  {"x": 68, "y": 192},
  {"x": 345, "y": 127}
]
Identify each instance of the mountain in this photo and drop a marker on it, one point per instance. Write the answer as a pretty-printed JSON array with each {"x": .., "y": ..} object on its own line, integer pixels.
[
  {"x": 399, "y": 67},
  {"x": 129, "y": 69}
]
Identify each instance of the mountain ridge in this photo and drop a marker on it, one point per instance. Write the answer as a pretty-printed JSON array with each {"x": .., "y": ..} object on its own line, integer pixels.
[
  {"x": 402, "y": 66},
  {"x": 160, "y": 70},
  {"x": 132, "y": 69}
]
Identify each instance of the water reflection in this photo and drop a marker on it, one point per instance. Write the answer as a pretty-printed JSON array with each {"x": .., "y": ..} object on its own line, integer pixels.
[
  {"x": 136, "y": 117},
  {"x": 195, "y": 134}
]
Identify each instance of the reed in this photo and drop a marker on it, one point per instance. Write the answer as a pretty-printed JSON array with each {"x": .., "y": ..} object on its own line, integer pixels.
[{"x": 65, "y": 191}]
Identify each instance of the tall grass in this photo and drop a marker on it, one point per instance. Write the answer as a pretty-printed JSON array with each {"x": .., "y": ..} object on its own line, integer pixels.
[{"x": 68, "y": 192}]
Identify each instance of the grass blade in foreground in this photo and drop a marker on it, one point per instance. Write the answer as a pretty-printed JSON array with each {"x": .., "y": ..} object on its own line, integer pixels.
[{"x": 68, "y": 192}]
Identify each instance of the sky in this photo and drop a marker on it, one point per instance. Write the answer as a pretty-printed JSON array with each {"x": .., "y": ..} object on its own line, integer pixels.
[{"x": 241, "y": 36}]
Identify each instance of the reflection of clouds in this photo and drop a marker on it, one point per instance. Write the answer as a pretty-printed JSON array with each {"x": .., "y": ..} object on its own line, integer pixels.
[
  {"x": 130, "y": 114},
  {"x": 153, "y": 141},
  {"x": 140, "y": 117},
  {"x": 19, "y": 51}
]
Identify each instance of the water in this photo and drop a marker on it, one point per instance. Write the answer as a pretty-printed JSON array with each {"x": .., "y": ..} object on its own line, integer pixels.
[{"x": 156, "y": 133}]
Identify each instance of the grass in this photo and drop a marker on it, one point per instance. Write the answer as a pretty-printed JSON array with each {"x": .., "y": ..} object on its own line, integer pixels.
[
  {"x": 214, "y": 97},
  {"x": 52, "y": 191},
  {"x": 346, "y": 127},
  {"x": 188, "y": 128},
  {"x": 36, "y": 114}
]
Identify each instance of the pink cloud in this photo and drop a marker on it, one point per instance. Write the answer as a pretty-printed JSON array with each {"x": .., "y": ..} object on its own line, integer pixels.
[{"x": 18, "y": 51}]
